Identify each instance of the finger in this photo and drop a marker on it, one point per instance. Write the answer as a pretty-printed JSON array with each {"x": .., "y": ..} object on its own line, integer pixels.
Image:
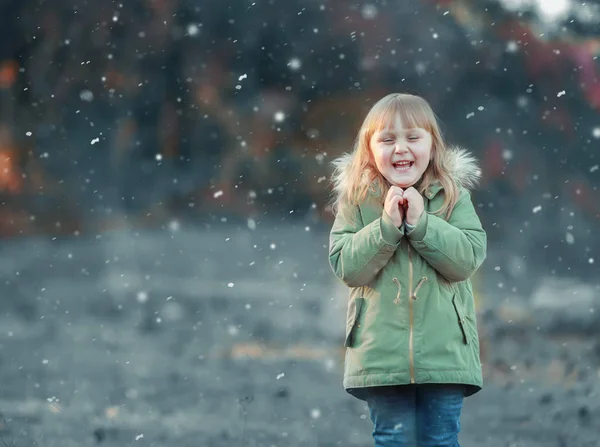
[
  {"x": 397, "y": 200},
  {"x": 397, "y": 197},
  {"x": 411, "y": 195},
  {"x": 414, "y": 194}
]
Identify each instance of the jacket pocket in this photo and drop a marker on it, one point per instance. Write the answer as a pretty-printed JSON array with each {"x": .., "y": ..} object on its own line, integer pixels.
[
  {"x": 353, "y": 323},
  {"x": 461, "y": 319}
]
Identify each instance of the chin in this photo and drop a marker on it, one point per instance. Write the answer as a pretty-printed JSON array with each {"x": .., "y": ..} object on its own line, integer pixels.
[{"x": 403, "y": 183}]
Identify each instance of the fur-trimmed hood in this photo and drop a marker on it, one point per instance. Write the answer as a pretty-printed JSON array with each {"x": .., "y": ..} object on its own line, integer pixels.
[{"x": 461, "y": 164}]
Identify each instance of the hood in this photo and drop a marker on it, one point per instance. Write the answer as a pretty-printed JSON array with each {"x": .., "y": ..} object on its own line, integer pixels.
[{"x": 462, "y": 166}]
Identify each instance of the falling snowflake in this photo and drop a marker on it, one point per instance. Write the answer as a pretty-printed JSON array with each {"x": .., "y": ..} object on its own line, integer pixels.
[
  {"x": 294, "y": 63},
  {"x": 218, "y": 194},
  {"x": 511, "y": 46},
  {"x": 369, "y": 11},
  {"x": 279, "y": 116},
  {"x": 522, "y": 101},
  {"x": 142, "y": 297},
  {"x": 329, "y": 364},
  {"x": 86, "y": 95},
  {"x": 420, "y": 68},
  {"x": 551, "y": 11},
  {"x": 192, "y": 29}
]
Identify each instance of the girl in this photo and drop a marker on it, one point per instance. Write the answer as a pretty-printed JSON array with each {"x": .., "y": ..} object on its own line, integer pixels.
[{"x": 406, "y": 239}]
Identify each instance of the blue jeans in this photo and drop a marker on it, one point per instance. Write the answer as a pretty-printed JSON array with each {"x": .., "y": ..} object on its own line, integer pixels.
[{"x": 416, "y": 415}]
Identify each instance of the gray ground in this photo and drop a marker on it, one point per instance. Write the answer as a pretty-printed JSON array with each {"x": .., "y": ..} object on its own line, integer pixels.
[{"x": 230, "y": 336}]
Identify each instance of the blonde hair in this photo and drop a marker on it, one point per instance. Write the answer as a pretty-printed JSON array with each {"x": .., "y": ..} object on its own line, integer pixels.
[{"x": 356, "y": 172}]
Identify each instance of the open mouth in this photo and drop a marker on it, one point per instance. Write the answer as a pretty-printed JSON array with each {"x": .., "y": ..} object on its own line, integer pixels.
[{"x": 403, "y": 165}]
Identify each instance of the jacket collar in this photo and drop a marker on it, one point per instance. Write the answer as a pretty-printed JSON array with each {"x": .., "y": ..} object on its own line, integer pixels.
[{"x": 462, "y": 166}]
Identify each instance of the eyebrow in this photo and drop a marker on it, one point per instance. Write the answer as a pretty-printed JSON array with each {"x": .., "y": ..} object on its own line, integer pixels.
[{"x": 391, "y": 131}]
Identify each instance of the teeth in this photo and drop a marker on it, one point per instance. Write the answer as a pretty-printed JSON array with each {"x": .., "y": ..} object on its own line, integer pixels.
[{"x": 402, "y": 165}]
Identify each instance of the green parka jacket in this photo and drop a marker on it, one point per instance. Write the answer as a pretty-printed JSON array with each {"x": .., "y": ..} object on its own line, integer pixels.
[{"x": 411, "y": 313}]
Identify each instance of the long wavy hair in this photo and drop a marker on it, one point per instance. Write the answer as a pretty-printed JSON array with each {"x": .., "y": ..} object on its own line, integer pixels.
[{"x": 355, "y": 173}]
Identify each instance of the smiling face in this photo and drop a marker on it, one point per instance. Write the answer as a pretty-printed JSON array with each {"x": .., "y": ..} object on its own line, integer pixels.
[{"x": 401, "y": 154}]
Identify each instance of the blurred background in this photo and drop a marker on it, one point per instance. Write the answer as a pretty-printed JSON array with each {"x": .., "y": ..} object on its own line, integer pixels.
[{"x": 164, "y": 183}]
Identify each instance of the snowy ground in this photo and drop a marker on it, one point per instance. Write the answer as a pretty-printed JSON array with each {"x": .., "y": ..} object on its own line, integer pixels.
[{"x": 231, "y": 337}]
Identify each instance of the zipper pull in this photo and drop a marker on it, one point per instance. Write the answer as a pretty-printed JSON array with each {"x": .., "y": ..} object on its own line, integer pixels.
[{"x": 423, "y": 279}]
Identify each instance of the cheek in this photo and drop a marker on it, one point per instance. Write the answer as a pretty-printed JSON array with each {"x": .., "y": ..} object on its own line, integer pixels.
[
  {"x": 425, "y": 155},
  {"x": 425, "y": 160},
  {"x": 377, "y": 157}
]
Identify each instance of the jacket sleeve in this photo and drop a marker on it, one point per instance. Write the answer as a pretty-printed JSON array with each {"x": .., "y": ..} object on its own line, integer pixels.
[
  {"x": 455, "y": 248},
  {"x": 358, "y": 252}
]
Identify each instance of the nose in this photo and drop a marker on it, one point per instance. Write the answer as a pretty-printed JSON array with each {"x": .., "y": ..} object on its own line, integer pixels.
[{"x": 400, "y": 147}]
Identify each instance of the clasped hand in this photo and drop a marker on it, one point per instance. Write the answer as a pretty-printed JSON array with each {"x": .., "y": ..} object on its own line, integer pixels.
[{"x": 400, "y": 204}]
